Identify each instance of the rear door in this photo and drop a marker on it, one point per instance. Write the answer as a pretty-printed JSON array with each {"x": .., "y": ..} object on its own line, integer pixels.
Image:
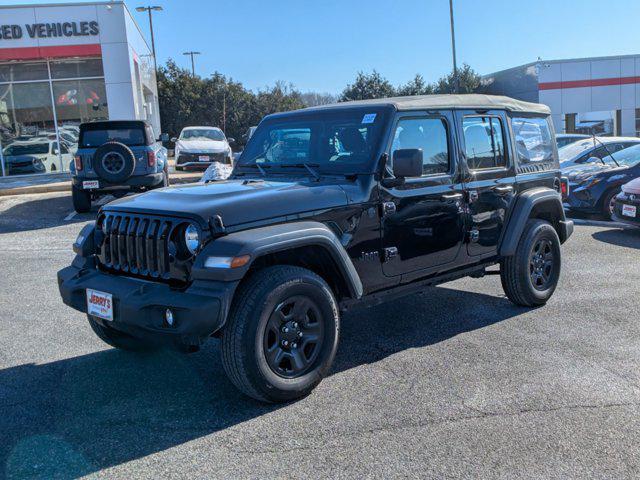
[
  {"x": 489, "y": 176},
  {"x": 422, "y": 220}
]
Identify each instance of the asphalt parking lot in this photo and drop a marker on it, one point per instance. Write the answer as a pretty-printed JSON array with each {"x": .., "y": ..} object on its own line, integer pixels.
[{"x": 456, "y": 382}]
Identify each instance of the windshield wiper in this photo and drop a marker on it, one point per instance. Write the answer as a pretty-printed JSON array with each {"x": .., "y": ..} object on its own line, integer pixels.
[
  {"x": 610, "y": 154},
  {"x": 308, "y": 166}
]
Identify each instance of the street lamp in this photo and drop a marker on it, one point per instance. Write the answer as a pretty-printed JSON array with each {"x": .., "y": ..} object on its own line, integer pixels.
[
  {"x": 193, "y": 65},
  {"x": 453, "y": 48},
  {"x": 153, "y": 43}
]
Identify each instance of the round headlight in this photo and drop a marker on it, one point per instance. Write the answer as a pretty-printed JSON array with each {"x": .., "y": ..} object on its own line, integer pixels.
[{"x": 192, "y": 238}]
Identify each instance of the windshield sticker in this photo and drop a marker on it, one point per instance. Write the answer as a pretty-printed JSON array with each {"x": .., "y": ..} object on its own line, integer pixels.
[{"x": 369, "y": 118}]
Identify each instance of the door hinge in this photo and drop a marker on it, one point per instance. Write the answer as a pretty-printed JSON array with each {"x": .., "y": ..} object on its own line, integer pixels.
[
  {"x": 474, "y": 235},
  {"x": 388, "y": 208},
  {"x": 390, "y": 253}
]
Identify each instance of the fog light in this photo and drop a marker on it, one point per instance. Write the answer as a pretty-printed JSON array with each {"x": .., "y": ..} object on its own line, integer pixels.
[{"x": 168, "y": 316}]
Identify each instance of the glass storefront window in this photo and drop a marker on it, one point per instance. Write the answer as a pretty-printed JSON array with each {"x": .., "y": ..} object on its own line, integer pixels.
[
  {"x": 29, "y": 140},
  {"x": 28, "y": 130},
  {"x": 76, "y": 68},
  {"x": 23, "y": 71}
]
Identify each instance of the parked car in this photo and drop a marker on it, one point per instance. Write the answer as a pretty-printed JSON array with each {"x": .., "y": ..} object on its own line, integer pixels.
[
  {"x": 592, "y": 150},
  {"x": 36, "y": 155},
  {"x": 627, "y": 204},
  {"x": 329, "y": 208},
  {"x": 117, "y": 157},
  {"x": 201, "y": 146},
  {"x": 593, "y": 188},
  {"x": 564, "y": 139}
]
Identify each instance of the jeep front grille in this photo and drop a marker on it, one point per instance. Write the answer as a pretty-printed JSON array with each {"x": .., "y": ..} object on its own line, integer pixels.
[{"x": 139, "y": 245}]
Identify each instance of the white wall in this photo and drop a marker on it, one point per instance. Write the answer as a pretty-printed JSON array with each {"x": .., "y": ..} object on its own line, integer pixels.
[{"x": 585, "y": 99}]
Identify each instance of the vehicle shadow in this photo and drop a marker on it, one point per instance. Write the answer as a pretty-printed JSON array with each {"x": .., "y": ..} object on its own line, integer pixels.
[
  {"x": 80, "y": 415},
  {"x": 623, "y": 237},
  {"x": 48, "y": 212}
]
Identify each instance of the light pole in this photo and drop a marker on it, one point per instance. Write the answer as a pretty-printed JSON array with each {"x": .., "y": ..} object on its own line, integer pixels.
[
  {"x": 456, "y": 85},
  {"x": 193, "y": 65},
  {"x": 153, "y": 42}
]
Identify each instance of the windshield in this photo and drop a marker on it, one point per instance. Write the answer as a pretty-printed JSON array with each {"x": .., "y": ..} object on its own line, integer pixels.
[
  {"x": 575, "y": 149},
  {"x": 336, "y": 140},
  {"x": 202, "y": 134},
  {"x": 627, "y": 157},
  {"x": 34, "y": 149}
]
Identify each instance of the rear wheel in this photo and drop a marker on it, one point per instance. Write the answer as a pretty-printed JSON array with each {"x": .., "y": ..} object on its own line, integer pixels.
[
  {"x": 282, "y": 334},
  {"x": 531, "y": 275},
  {"x": 81, "y": 200},
  {"x": 117, "y": 339}
]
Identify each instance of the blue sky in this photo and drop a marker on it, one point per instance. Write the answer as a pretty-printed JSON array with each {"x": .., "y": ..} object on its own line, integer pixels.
[{"x": 320, "y": 45}]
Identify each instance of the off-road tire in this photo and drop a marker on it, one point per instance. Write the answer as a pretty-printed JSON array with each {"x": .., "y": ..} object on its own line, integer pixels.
[
  {"x": 243, "y": 354},
  {"x": 118, "y": 339},
  {"x": 81, "y": 200},
  {"x": 515, "y": 271},
  {"x": 123, "y": 152}
]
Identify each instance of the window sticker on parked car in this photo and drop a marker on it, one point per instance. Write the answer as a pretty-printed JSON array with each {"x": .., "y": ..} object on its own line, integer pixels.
[{"x": 369, "y": 118}]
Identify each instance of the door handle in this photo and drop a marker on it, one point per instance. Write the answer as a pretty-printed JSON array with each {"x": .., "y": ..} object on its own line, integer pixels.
[
  {"x": 450, "y": 197},
  {"x": 503, "y": 190}
]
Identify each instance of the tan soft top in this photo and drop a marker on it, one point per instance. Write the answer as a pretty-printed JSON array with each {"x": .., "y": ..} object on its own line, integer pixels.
[{"x": 459, "y": 102}]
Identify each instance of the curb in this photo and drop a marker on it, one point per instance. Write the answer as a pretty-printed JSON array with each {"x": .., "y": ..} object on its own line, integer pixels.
[{"x": 66, "y": 186}]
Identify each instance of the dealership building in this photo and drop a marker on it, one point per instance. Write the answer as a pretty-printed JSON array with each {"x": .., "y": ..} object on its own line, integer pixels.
[
  {"x": 63, "y": 64},
  {"x": 598, "y": 95}
]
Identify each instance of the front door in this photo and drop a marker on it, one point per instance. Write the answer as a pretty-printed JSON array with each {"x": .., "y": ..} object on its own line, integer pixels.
[
  {"x": 489, "y": 177},
  {"x": 422, "y": 220}
]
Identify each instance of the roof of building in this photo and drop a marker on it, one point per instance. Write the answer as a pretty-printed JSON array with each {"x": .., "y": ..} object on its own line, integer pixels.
[{"x": 458, "y": 102}]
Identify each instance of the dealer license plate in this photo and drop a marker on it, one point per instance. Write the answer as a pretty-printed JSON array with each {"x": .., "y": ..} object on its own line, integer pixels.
[
  {"x": 88, "y": 185},
  {"x": 203, "y": 158},
  {"x": 99, "y": 304},
  {"x": 629, "y": 210}
]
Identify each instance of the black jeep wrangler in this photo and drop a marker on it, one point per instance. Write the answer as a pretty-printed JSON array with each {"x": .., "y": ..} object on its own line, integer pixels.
[{"x": 327, "y": 208}]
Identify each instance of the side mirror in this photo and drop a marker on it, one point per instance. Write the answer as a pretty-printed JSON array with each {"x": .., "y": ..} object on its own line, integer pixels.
[
  {"x": 231, "y": 140},
  {"x": 164, "y": 137},
  {"x": 593, "y": 160},
  {"x": 407, "y": 163},
  {"x": 174, "y": 139}
]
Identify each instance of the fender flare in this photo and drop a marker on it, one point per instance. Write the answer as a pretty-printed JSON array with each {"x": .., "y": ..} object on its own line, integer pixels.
[
  {"x": 261, "y": 241},
  {"x": 525, "y": 203}
]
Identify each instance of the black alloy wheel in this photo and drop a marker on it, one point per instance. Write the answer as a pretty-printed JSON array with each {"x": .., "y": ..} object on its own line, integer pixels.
[
  {"x": 281, "y": 334},
  {"x": 293, "y": 337},
  {"x": 541, "y": 263}
]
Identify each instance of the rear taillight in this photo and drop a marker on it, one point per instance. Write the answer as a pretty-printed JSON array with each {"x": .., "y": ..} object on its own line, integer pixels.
[
  {"x": 151, "y": 158},
  {"x": 78, "y": 162},
  {"x": 564, "y": 187}
]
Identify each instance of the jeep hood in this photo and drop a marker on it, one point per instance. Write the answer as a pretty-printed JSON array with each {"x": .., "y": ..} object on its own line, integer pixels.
[{"x": 236, "y": 201}]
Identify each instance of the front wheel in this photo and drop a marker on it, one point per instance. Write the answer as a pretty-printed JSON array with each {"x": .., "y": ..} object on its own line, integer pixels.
[
  {"x": 609, "y": 204},
  {"x": 531, "y": 275},
  {"x": 282, "y": 334}
]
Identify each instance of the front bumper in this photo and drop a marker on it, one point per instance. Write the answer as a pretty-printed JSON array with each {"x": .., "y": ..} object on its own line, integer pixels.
[
  {"x": 139, "y": 306},
  {"x": 626, "y": 219},
  {"x": 132, "y": 183},
  {"x": 191, "y": 159},
  {"x": 581, "y": 199}
]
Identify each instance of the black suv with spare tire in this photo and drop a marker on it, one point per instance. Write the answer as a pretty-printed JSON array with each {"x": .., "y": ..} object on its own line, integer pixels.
[
  {"x": 327, "y": 209},
  {"x": 117, "y": 157}
]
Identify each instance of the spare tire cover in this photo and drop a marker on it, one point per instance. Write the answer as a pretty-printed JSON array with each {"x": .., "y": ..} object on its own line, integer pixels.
[{"x": 114, "y": 162}]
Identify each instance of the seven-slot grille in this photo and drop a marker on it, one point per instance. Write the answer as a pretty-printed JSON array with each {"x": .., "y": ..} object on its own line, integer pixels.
[{"x": 136, "y": 244}]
